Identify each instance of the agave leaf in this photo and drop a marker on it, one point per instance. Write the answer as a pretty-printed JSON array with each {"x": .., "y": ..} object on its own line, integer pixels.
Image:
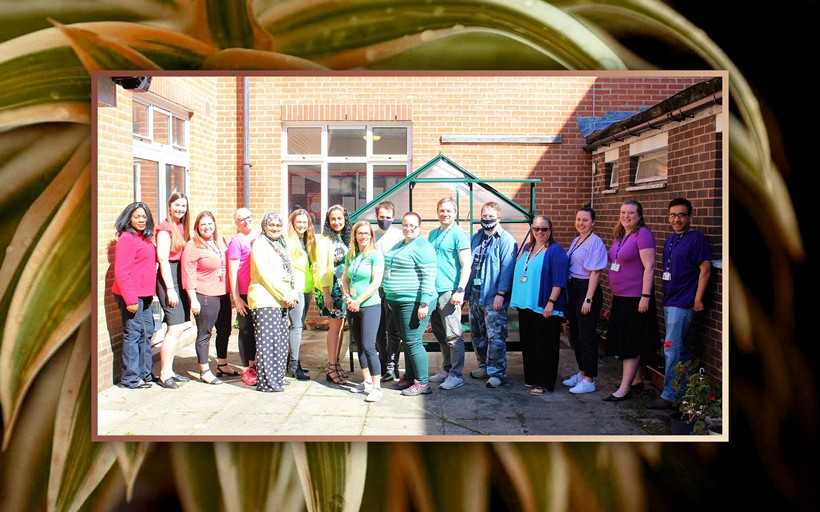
[
  {"x": 98, "y": 52},
  {"x": 332, "y": 475},
  {"x": 257, "y": 476},
  {"x": 25, "y": 463},
  {"x": 229, "y": 24},
  {"x": 30, "y": 16},
  {"x": 241, "y": 58},
  {"x": 77, "y": 465},
  {"x": 462, "y": 466},
  {"x": 130, "y": 457},
  {"x": 51, "y": 298},
  {"x": 317, "y": 29},
  {"x": 197, "y": 483}
]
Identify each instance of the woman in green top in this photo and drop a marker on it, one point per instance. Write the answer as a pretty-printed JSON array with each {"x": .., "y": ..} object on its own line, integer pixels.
[
  {"x": 363, "y": 276},
  {"x": 409, "y": 286}
]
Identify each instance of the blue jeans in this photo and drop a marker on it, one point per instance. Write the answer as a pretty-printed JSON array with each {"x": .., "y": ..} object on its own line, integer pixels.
[
  {"x": 677, "y": 327},
  {"x": 136, "y": 341},
  {"x": 446, "y": 323},
  {"x": 297, "y": 325},
  {"x": 488, "y": 329}
]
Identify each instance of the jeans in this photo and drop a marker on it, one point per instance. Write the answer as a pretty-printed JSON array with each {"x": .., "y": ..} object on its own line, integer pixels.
[
  {"x": 446, "y": 323},
  {"x": 388, "y": 340},
  {"x": 363, "y": 326},
  {"x": 246, "y": 339},
  {"x": 136, "y": 341},
  {"x": 411, "y": 330},
  {"x": 297, "y": 317},
  {"x": 213, "y": 312},
  {"x": 677, "y": 326},
  {"x": 489, "y": 331}
]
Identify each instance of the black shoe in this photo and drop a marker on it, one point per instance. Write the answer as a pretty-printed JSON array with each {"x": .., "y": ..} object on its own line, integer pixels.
[
  {"x": 180, "y": 378},
  {"x": 168, "y": 383},
  {"x": 613, "y": 398},
  {"x": 140, "y": 385},
  {"x": 660, "y": 403},
  {"x": 299, "y": 367},
  {"x": 300, "y": 374},
  {"x": 221, "y": 373},
  {"x": 634, "y": 387}
]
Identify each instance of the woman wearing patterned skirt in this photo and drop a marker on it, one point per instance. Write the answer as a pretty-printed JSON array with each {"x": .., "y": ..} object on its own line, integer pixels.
[{"x": 270, "y": 296}]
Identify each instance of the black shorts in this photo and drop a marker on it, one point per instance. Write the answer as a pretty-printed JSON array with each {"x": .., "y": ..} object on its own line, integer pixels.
[{"x": 182, "y": 312}]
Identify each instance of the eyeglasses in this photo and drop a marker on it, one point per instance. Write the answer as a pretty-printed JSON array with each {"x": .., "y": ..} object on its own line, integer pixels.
[
  {"x": 368, "y": 235},
  {"x": 405, "y": 226},
  {"x": 541, "y": 229},
  {"x": 245, "y": 219},
  {"x": 678, "y": 216}
]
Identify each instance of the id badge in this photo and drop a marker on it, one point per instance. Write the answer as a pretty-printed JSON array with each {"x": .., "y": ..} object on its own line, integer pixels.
[
  {"x": 523, "y": 278},
  {"x": 667, "y": 276},
  {"x": 615, "y": 267},
  {"x": 477, "y": 281}
]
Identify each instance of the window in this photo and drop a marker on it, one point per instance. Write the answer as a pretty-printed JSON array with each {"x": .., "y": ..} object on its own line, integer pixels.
[
  {"x": 160, "y": 138},
  {"x": 341, "y": 163},
  {"x": 611, "y": 169},
  {"x": 650, "y": 166}
]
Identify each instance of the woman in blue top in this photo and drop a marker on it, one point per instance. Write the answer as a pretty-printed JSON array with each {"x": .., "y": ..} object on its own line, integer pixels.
[
  {"x": 364, "y": 267},
  {"x": 539, "y": 293}
]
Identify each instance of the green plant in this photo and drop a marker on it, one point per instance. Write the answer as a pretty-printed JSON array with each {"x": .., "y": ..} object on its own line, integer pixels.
[{"x": 701, "y": 397}]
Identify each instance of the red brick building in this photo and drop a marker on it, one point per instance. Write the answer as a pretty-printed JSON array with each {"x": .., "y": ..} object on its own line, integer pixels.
[{"x": 275, "y": 142}]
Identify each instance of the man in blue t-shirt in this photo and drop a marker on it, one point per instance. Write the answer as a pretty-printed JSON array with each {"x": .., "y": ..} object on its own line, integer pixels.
[
  {"x": 686, "y": 269},
  {"x": 452, "y": 245}
]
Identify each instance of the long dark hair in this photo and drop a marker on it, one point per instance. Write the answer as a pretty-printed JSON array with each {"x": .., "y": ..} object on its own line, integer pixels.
[
  {"x": 529, "y": 240},
  {"x": 197, "y": 238},
  {"x": 123, "y": 222},
  {"x": 328, "y": 231}
]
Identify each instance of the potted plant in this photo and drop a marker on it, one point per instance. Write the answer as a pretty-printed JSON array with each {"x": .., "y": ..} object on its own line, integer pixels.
[{"x": 701, "y": 404}]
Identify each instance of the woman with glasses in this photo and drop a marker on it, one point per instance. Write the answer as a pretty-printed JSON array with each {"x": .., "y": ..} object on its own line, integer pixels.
[
  {"x": 331, "y": 249},
  {"x": 270, "y": 295},
  {"x": 587, "y": 258},
  {"x": 540, "y": 296},
  {"x": 633, "y": 321},
  {"x": 301, "y": 240},
  {"x": 364, "y": 267},
  {"x": 409, "y": 287}
]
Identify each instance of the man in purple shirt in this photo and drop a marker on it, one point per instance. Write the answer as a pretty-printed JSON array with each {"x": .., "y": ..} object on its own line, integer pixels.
[{"x": 686, "y": 269}]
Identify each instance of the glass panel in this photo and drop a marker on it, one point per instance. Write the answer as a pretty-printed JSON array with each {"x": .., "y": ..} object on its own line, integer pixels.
[
  {"x": 146, "y": 185},
  {"x": 347, "y": 185},
  {"x": 347, "y": 142},
  {"x": 385, "y": 177},
  {"x": 140, "y": 119},
  {"x": 612, "y": 172},
  {"x": 389, "y": 141},
  {"x": 651, "y": 165},
  {"x": 160, "y": 127},
  {"x": 304, "y": 141},
  {"x": 304, "y": 185},
  {"x": 175, "y": 180},
  {"x": 179, "y": 132}
]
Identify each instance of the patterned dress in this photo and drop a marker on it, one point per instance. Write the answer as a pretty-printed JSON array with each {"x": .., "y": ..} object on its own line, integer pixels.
[{"x": 340, "y": 306}]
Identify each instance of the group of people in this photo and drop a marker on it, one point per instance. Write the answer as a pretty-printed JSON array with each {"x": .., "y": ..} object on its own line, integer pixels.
[{"x": 389, "y": 283}]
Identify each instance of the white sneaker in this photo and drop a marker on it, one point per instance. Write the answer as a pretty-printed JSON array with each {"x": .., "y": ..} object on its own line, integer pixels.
[
  {"x": 583, "y": 386},
  {"x": 439, "y": 377},
  {"x": 365, "y": 387},
  {"x": 494, "y": 382},
  {"x": 481, "y": 373},
  {"x": 374, "y": 395},
  {"x": 452, "y": 382},
  {"x": 572, "y": 381}
]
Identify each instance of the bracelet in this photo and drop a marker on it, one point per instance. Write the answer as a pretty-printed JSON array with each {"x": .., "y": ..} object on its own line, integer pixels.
[
  {"x": 551, "y": 300},
  {"x": 645, "y": 295}
]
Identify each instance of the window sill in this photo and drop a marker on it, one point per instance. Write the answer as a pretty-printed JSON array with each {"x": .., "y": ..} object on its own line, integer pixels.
[{"x": 647, "y": 186}]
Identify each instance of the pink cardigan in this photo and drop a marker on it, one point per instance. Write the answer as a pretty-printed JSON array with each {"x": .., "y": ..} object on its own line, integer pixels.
[{"x": 135, "y": 268}]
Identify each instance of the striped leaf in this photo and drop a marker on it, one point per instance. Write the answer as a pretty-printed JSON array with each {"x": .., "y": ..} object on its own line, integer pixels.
[
  {"x": 130, "y": 457},
  {"x": 332, "y": 475}
]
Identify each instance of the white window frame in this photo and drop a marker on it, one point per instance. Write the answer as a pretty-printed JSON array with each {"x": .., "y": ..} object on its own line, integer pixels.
[
  {"x": 323, "y": 160},
  {"x": 645, "y": 148}
]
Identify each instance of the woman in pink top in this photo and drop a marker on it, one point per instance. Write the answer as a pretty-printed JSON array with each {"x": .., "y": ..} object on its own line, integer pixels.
[
  {"x": 633, "y": 322},
  {"x": 172, "y": 235},
  {"x": 204, "y": 276},
  {"x": 135, "y": 275}
]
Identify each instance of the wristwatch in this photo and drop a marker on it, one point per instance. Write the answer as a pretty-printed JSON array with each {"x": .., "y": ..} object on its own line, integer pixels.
[
  {"x": 423, "y": 305},
  {"x": 588, "y": 300},
  {"x": 459, "y": 290}
]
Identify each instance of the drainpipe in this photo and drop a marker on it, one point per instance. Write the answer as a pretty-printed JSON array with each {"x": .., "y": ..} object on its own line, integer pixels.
[{"x": 246, "y": 166}]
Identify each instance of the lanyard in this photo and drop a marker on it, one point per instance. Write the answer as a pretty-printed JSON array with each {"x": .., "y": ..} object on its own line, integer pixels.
[
  {"x": 481, "y": 255},
  {"x": 354, "y": 270},
  {"x": 620, "y": 243},
  {"x": 440, "y": 238},
  {"x": 212, "y": 244},
  {"x": 574, "y": 247},
  {"x": 403, "y": 245},
  {"x": 672, "y": 244},
  {"x": 531, "y": 256}
]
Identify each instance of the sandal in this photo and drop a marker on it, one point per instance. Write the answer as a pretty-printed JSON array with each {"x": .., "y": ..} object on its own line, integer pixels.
[
  {"x": 214, "y": 381},
  {"x": 220, "y": 373},
  {"x": 341, "y": 371},
  {"x": 538, "y": 391},
  {"x": 333, "y": 375}
]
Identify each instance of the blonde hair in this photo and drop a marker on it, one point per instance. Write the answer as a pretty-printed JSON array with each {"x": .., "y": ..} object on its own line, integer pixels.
[{"x": 354, "y": 247}]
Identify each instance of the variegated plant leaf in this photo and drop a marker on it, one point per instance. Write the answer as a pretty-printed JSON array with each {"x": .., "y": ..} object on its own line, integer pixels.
[
  {"x": 241, "y": 58},
  {"x": 318, "y": 29},
  {"x": 195, "y": 476},
  {"x": 130, "y": 457},
  {"x": 461, "y": 466},
  {"x": 256, "y": 476},
  {"x": 229, "y": 24},
  {"x": 332, "y": 475},
  {"x": 99, "y": 52},
  {"x": 26, "y": 461},
  {"x": 77, "y": 465},
  {"x": 50, "y": 300}
]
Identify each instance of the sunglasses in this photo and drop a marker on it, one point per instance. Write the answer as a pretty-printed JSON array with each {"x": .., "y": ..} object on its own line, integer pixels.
[{"x": 543, "y": 230}]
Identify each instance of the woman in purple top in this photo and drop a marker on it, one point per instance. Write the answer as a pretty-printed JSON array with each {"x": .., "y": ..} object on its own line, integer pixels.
[{"x": 633, "y": 323}]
